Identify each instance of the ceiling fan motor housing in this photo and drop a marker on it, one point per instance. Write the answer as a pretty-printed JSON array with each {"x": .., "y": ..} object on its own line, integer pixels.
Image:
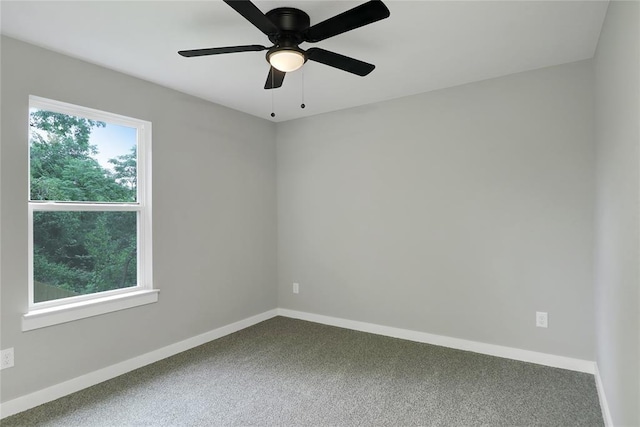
[{"x": 292, "y": 23}]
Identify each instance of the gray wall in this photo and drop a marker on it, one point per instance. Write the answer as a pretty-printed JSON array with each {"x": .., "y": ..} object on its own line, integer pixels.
[
  {"x": 617, "y": 296},
  {"x": 458, "y": 212},
  {"x": 214, "y": 195}
]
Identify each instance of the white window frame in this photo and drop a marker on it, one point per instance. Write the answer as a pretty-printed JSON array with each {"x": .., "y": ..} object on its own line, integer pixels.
[{"x": 63, "y": 310}]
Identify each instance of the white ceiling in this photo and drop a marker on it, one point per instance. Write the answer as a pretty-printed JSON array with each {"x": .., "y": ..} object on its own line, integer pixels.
[{"x": 422, "y": 46}]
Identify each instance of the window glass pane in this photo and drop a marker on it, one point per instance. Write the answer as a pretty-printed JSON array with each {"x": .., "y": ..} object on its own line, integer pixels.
[
  {"x": 74, "y": 159},
  {"x": 78, "y": 253}
]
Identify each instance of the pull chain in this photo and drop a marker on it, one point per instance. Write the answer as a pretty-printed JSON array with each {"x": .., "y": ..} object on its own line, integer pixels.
[
  {"x": 302, "y": 105},
  {"x": 273, "y": 114}
]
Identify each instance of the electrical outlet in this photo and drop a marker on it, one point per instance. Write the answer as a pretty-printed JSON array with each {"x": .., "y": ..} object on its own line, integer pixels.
[
  {"x": 6, "y": 358},
  {"x": 542, "y": 319},
  {"x": 296, "y": 288}
]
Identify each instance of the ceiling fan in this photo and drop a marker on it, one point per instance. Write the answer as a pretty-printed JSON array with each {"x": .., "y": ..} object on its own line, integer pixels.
[{"x": 287, "y": 27}]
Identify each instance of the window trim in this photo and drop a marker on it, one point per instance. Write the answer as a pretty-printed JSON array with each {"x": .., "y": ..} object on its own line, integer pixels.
[
  {"x": 50, "y": 316},
  {"x": 47, "y": 313}
]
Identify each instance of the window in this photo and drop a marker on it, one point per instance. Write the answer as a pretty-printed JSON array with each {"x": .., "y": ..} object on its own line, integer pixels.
[{"x": 89, "y": 213}]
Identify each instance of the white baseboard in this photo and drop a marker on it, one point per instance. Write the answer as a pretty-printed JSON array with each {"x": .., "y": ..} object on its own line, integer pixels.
[
  {"x": 569, "y": 363},
  {"x": 604, "y": 406},
  {"x": 71, "y": 386}
]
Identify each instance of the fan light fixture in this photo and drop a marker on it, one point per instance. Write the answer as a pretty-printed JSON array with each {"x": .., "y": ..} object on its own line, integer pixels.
[
  {"x": 286, "y": 60},
  {"x": 288, "y": 27}
]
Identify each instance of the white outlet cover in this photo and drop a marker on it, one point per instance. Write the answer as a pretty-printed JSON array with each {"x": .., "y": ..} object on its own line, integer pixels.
[
  {"x": 6, "y": 358},
  {"x": 296, "y": 288},
  {"x": 542, "y": 319}
]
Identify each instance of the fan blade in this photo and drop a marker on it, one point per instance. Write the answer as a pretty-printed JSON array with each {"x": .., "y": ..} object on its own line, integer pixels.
[
  {"x": 366, "y": 13},
  {"x": 251, "y": 13},
  {"x": 219, "y": 50},
  {"x": 274, "y": 79},
  {"x": 342, "y": 62}
]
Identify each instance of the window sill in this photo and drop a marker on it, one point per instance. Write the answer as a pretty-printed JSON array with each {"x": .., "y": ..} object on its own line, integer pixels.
[{"x": 44, "y": 317}]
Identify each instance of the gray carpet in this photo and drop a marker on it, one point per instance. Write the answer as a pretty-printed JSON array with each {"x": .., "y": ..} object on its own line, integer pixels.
[{"x": 295, "y": 373}]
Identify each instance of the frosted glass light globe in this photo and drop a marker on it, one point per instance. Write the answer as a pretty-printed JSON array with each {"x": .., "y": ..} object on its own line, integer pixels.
[{"x": 286, "y": 60}]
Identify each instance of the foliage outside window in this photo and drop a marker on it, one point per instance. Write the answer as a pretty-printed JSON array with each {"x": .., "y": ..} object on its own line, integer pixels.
[{"x": 89, "y": 204}]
